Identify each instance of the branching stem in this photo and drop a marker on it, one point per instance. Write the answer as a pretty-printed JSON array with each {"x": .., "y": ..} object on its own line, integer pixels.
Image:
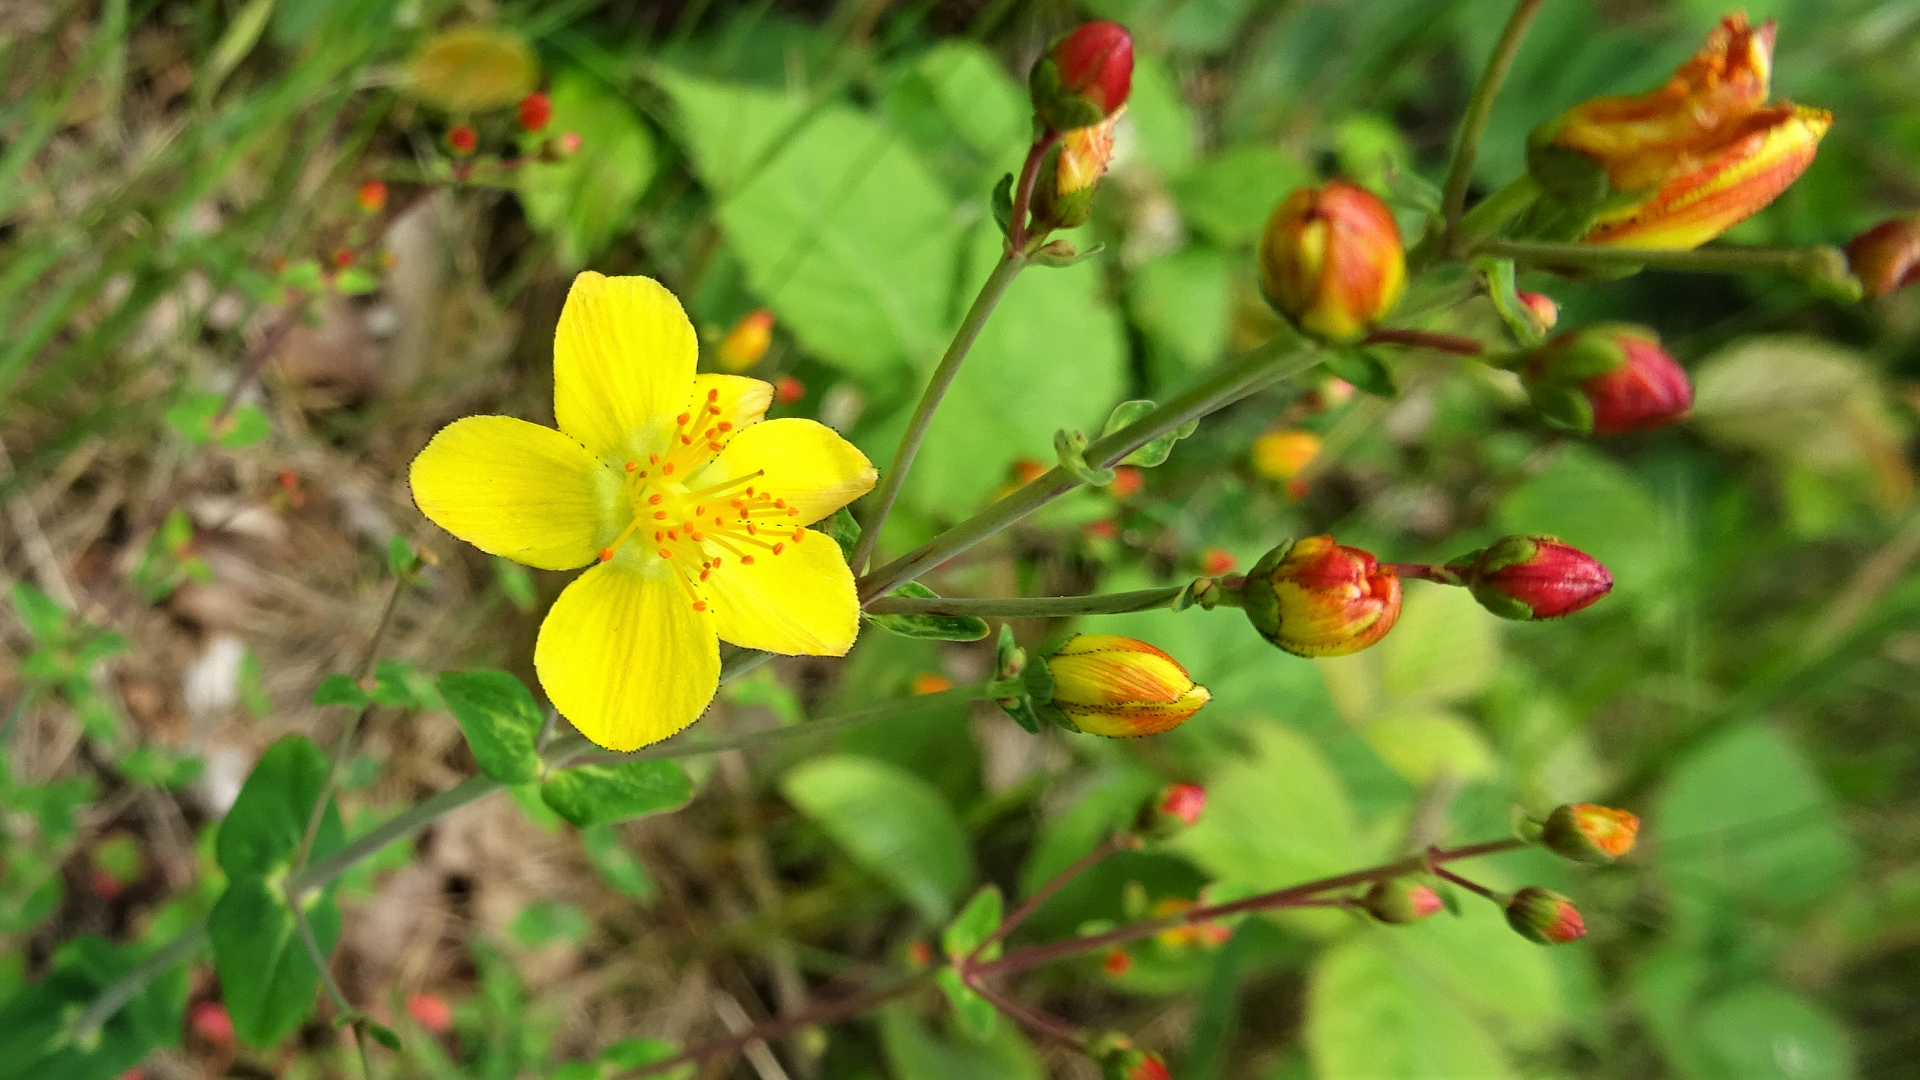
[
  {"x": 1466, "y": 146},
  {"x": 1028, "y": 607}
]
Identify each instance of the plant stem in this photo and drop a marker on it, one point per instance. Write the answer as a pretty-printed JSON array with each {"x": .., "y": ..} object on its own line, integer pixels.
[
  {"x": 116, "y": 996},
  {"x": 1267, "y": 364},
  {"x": 1424, "y": 572},
  {"x": 1471, "y": 886},
  {"x": 991, "y": 291},
  {"x": 824, "y": 1012},
  {"x": 1023, "y": 193},
  {"x": 1820, "y": 264},
  {"x": 345, "y": 740},
  {"x": 1426, "y": 339},
  {"x": 1040, "y": 1022},
  {"x": 1045, "y": 892},
  {"x": 1028, "y": 607},
  {"x": 1466, "y": 145}
]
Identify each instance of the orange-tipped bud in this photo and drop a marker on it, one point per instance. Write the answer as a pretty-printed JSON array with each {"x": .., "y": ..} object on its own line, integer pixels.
[
  {"x": 1063, "y": 193},
  {"x": 1117, "y": 962},
  {"x": 928, "y": 682},
  {"x": 1402, "y": 900},
  {"x": 1283, "y": 455},
  {"x": 1174, "y": 810},
  {"x": 1104, "y": 684},
  {"x": 1608, "y": 379},
  {"x": 463, "y": 140},
  {"x": 1127, "y": 481},
  {"x": 1331, "y": 260},
  {"x": 1887, "y": 256},
  {"x": 1544, "y": 917},
  {"x": 1119, "y": 1059},
  {"x": 1532, "y": 577},
  {"x": 567, "y": 145},
  {"x": 1332, "y": 393},
  {"x": 1589, "y": 833},
  {"x": 535, "y": 112},
  {"x": 1216, "y": 561},
  {"x": 372, "y": 196},
  {"x": 1085, "y": 78},
  {"x": 342, "y": 257},
  {"x": 1541, "y": 309},
  {"x": 746, "y": 342},
  {"x": 1314, "y": 597},
  {"x": 919, "y": 954},
  {"x": 787, "y": 389}
]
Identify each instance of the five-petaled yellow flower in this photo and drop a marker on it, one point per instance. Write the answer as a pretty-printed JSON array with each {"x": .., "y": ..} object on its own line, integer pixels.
[{"x": 692, "y": 508}]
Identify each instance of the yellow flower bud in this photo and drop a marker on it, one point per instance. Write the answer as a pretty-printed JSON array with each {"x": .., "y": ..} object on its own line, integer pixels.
[
  {"x": 1331, "y": 260},
  {"x": 1283, "y": 455},
  {"x": 1314, "y": 597},
  {"x": 746, "y": 343},
  {"x": 1104, "y": 684}
]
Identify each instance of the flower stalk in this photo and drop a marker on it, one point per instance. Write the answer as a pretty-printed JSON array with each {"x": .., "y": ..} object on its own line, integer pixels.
[
  {"x": 1466, "y": 146},
  {"x": 1821, "y": 266}
]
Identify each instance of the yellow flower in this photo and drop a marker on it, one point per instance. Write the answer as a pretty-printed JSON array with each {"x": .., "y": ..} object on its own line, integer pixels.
[{"x": 693, "y": 508}]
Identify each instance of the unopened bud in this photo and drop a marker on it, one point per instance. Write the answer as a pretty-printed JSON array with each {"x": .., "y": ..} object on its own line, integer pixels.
[
  {"x": 787, "y": 389},
  {"x": 566, "y": 145},
  {"x": 1216, "y": 561},
  {"x": 432, "y": 1012},
  {"x": 535, "y": 112},
  {"x": 1063, "y": 193},
  {"x": 1887, "y": 256},
  {"x": 1608, "y": 379},
  {"x": 928, "y": 682},
  {"x": 1117, "y": 962},
  {"x": 1402, "y": 900},
  {"x": 372, "y": 196},
  {"x": 1127, "y": 482},
  {"x": 1331, "y": 261},
  {"x": 211, "y": 1021},
  {"x": 1533, "y": 577},
  {"x": 1119, "y": 1059},
  {"x": 1283, "y": 455},
  {"x": 1104, "y": 684},
  {"x": 1085, "y": 78},
  {"x": 1174, "y": 810},
  {"x": 1541, "y": 309},
  {"x": 746, "y": 342},
  {"x": 1589, "y": 833},
  {"x": 1544, "y": 917},
  {"x": 1314, "y": 597},
  {"x": 463, "y": 140}
]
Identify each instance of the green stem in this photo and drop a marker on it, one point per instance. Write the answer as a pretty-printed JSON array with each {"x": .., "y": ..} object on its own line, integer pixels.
[
  {"x": 1268, "y": 364},
  {"x": 1028, "y": 607},
  {"x": 116, "y": 996},
  {"x": 1474, "y": 124},
  {"x": 1820, "y": 265},
  {"x": 341, "y": 744},
  {"x": 991, "y": 291}
]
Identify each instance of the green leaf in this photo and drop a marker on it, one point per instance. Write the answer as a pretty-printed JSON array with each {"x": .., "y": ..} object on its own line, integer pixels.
[
  {"x": 603, "y": 794},
  {"x": 500, "y": 719},
  {"x": 1363, "y": 369},
  {"x": 1183, "y": 302},
  {"x": 398, "y": 684},
  {"x": 385, "y": 1036},
  {"x": 892, "y": 823},
  {"x": 728, "y": 127},
  {"x": 845, "y": 531},
  {"x": 933, "y": 627},
  {"x": 588, "y": 199},
  {"x": 267, "y": 978},
  {"x": 43, "y": 615},
  {"x": 34, "y": 1040},
  {"x": 195, "y": 419},
  {"x": 516, "y": 584},
  {"x": 353, "y": 281},
  {"x": 1371, "y": 1018},
  {"x": 977, "y": 1014},
  {"x": 1425, "y": 746},
  {"x": 341, "y": 690},
  {"x": 548, "y": 921},
  {"x": 1745, "y": 820},
  {"x": 1162, "y": 120},
  {"x": 975, "y": 923},
  {"x": 1765, "y": 1032},
  {"x": 1155, "y": 452},
  {"x": 1229, "y": 196},
  {"x": 617, "y": 865},
  {"x": 262, "y": 831},
  {"x": 914, "y": 1053},
  {"x": 1445, "y": 648},
  {"x": 633, "y": 1053},
  {"x": 1504, "y": 291},
  {"x": 984, "y": 106}
]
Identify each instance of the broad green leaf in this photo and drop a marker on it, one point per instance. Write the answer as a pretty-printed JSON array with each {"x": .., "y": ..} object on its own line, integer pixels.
[
  {"x": 616, "y": 864},
  {"x": 975, "y": 923},
  {"x": 1159, "y": 119},
  {"x": 34, "y": 1041},
  {"x": 1745, "y": 819},
  {"x": 729, "y": 127},
  {"x": 43, "y": 615},
  {"x": 914, "y": 1053},
  {"x": 892, "y": 823},
  {"x": 1764, "y": 1032},
  {"x": 845, "y": 531},
  {"x": 976, "y": 95},
  {"x": 398, "y": 684},
  {"x": 977, "y": 1014},
  {"x": 267, "y": 978},
  {"x": 1229, "y": 196},
  {"x": 588, "y": 199},
  {"x": 1476, "y": 959},
  {"x": 1183, "y": 302},
  {"x": 198, "y": 419},
  {"x": 263, "y": 829},
  {"x": 603, "y": 794},
  {"x": 933, "y": 627},
  {"x": 548, "y": 921},
  {"x": 1369, "y": 1017},
  {"x": 1275, "y": 817},
  {"x": 500, "y": 720},
  {"x": 1445, "y": 648},
  {"x": 1424, "y": 746}
]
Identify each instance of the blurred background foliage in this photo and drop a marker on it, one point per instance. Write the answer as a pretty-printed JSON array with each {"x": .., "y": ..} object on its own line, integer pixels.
[{"x": 167, "y": 166}]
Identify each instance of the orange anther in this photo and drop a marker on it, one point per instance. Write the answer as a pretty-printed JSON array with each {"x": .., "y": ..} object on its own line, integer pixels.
[
  {"x": 667, "y": 469},
  {"x": 632, "y": 465},
  {"x": 665, "y": 554},
  {"x": 685, "y": 418},
  {"x": 778, "y": 548},
  {"x": 699, "y": 605},
  {"x": 723, "y": 426},
  {"x": 655, "y": 499},
  {"x": 713, "y": 395},
  {"x": 659, "y": 515},
  {"x": 746, "y": 560},
  {"x": 605, "y": 554}
]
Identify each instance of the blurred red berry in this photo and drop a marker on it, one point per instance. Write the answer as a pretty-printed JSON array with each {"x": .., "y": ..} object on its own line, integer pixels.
[
  {"x": 210, "y": 1021},
  {"x": 535, "y": 112},
  {"x": 1216, "y": 561},
  {"x": 372, "y": 196},
  {"x": 342, "y": 257},
  {"x": 919, "y": 954},
  {"x": 928, "y": 682},
  {"x": 1103, "y": 529},
  {"x": 105, "y": 885},
  {"x": 787, "y": 389},
  {"x": 1117, "y": 962},
  {"x": 568, "y": 144},
  {"x": 1127, "y": 481},
  {"x": 432, "y": 1012},
  {"x": 463, "y": 140}
]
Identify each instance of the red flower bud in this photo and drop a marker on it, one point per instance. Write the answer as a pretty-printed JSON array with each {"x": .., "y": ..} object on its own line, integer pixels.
[
  {"x": 1533, "y": 577},
  {"x": 1119, "y": 1059},
  {"x": 210, "y": 1021},
  {"x": 1589, "y": 833},
  {"x": 928, "y": 682},
  {"x": 1401, "y": 900},
  {"x": 1085, "y": 78},
  {"x": 787, "y": 390},
  {"x": 1176, "y": 808},
  {"x": 432, "y": 1012},
  {"x": 463, "y": 140},
  {"x": 1331, "y": 260},
  {"x": 1216, "y": 561},
  {"x": 1608, "y": 379},
  {"x": 535, "y": 112},
  {"x": 1544, "y": 917},
  {"x": 1887, "y": 256},
  {"x": 1117, "y": 962},
  {"x": 564, "y": 146},
  {"x": 1127, "y": 481},
  {"x": 1542, "y": 308},
  {"x": 372, "y": 196},
  {"x": 1314, "y": 597}
]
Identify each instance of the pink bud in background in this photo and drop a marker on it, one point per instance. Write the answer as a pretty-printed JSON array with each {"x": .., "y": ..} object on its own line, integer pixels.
[
  {"x": 1533, "y": 578},
  {"x": 432, "y": 1012}
]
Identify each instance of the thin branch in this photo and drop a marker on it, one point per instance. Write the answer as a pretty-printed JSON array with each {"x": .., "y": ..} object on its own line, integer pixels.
[
  {"x": 340, "y": 745},
  {"x": 1473, "y": 124},
  {"x": 1468, "y": 884},
  {"x": 1019, "y": 607},
  {"x": 1040, "y": 1021},
  {"x": 1054, "y": 884},
  {"x": 1426, "y": 339},
  {"x": 1820, "y": 264},
  {"x": 1023, "y": 192}
]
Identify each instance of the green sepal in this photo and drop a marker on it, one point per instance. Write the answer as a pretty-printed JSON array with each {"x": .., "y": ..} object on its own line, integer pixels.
[
  {"x": 1039, "y": 680},
  {"x": 1503, "y": 289},
  {"x": 930, "y": 627},
  {"x": 1567, "y": 178},
  {"x": 1003, "y": 205},
  {"x": 1060, "y": 254},
  {"x": 1058, "y": 110},
  {"x": 1010, "y": 662},
  {"x": 1562, "y": 406},
  {"x": 1365, "y": 370},
  {"x": 1071, "y": 448}
]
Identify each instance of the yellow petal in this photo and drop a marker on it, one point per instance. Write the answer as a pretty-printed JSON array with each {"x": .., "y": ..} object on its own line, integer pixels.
[
  {"x": 805, "y": 462},
  {"x": 801, "y": 601},
  {"x": 623, "y": 359},
  {"x": 741, "y": 401},
  {"x": 625, "y": 657},
  {"x": 514, "y": 489}
]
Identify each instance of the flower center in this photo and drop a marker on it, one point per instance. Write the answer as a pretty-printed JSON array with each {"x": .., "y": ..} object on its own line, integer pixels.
[{"x": 693, "y": 526}]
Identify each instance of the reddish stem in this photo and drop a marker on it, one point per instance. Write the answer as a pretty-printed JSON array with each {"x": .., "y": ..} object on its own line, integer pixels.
[
  {"x": 1042, "y": 1022},
  {"x": 1424, "y": 572},
  {"x": 1023, "y": 191},
  {"x": 1472, "y": 886},
  {"x": 1426, "y": 339},
  {"x": 825, "y": 1012},
  {"x": 1045, "y": 892}
]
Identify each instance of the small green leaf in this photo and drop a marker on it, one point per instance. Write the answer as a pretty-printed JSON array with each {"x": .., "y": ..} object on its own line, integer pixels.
[
  {"x": 616, "y": 863},
  {"x": 1364, "y": 370},
  {"x": 353, "y": 281},
  {"x": 1003, "y": 204},
  {"x": 932, "y": 627},
  {"x": 892, "y": 823},
  {"x": 975, "y": 923},
  {"x": 160, "y": 767},
  {"x": 976, "y": 1013},
  {"x": 845, "y": 531},
  {"x": 603, "y": 794},
  {"x": 1155, "y": 452},
  {"x": 398, "y": 684},
  {"x": 1562, "y": 406},
  {"x": 385, "y": 1036},
  {"x": 42, "y": 614},
  {"x": 548, "y": 921},
  {"x": 500, "y": 719},
  {"x": 341, "y": 690},
  {"x": 402, "y": 560},
  {"x": 305, "y": 275},
  {"x": 516, "y": 584},
  {"x": 633, "y": 1053},
  {"x": 198, "y": 420},
  {"x": 263, "y": 829},
  {"x": 35, "y": 1043},
  {"x": 267, "y": 979},
  {"x": 1504, "y": 291}
]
